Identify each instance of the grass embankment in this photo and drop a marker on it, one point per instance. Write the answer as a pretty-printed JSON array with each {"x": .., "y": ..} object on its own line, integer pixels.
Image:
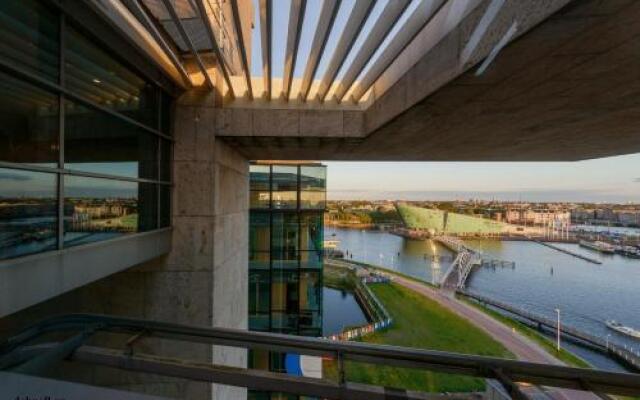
[
  {"x": 338, "y": 278},
  {"x": 547, "y": 344},
  {"x": 421, "y": 323}
]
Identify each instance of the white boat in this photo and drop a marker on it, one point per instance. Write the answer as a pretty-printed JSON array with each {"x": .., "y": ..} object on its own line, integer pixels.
[
  {"x": 598, "y": 245},
  {"x": 625, "y": 330}
]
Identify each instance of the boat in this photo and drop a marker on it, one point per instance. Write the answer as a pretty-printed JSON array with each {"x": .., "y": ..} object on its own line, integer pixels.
[
  {"x": 598, "y": 245},
  {"x": 629, "y": 251},
  {"x": 625, "y": 330}
]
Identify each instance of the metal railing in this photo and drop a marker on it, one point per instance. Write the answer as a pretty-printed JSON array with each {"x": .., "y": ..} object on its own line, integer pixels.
[
  {"x": 16, "y": 353},
  {"x": 621, "y": 352}
]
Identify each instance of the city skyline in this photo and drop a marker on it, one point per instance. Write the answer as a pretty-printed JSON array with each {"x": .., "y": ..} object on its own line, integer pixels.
[{"x": 610, "y": 179}]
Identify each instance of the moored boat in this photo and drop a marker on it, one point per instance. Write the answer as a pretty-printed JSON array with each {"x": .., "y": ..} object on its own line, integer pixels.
[
  {"x": 625, "y": 330},
  {"x": 598, "y": 245}
]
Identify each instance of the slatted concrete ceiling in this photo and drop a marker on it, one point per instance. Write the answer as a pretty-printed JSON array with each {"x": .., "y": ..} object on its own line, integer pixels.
[{"x": 344, "y": 59}]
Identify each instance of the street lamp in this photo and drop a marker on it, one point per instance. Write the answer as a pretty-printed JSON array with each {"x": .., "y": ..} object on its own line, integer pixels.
[{"x": 558, "y": 335}]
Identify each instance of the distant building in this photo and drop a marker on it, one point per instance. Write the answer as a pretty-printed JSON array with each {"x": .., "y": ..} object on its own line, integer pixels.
[{"x": 537, "y": 216}]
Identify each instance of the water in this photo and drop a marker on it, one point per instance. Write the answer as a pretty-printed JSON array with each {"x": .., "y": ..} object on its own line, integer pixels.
[
  {"x": 341, "y": 310},
  {"x": 543, "y": 279},
  {"x": 426, "y": 260}
]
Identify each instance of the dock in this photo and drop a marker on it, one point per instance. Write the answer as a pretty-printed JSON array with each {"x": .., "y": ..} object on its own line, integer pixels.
[{"x": 569, "y": 252}]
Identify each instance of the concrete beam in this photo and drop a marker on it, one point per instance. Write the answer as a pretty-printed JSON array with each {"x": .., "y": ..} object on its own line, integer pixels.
[
  {"x": 565, "y": 88},
  {"x": 54, "y": 273}
]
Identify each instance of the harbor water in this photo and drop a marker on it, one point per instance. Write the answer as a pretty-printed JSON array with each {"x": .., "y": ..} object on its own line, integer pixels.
[
  {"x": 341, "y": 310},
  {"x": 542, "y": 280}
]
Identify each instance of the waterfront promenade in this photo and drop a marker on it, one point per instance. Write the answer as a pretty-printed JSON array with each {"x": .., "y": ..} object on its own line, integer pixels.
[{"x": 522, "y": 347}]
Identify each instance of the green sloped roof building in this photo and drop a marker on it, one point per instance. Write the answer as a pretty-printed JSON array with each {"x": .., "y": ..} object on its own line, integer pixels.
[{"x": 438, "y": 221}]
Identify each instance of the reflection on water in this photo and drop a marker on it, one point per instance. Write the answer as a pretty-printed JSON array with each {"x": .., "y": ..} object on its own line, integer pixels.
[
  {"x": 425, "y": 260},
  {"x": 341, "y": 310},
  {"x": 543, "y": 279}
]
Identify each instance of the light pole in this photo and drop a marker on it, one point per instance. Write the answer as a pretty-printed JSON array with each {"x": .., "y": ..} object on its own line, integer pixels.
[{"x": 558, "y": 338}]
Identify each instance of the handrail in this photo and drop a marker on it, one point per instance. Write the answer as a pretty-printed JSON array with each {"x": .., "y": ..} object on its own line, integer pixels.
[{"x": 455, "y": 363}]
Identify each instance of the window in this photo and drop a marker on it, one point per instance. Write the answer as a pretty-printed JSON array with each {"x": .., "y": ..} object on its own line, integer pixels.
[
  {"x": 97, "y": 142},
  {"x": 284, "y": 191},
  {"x": 30, "y": 32},
  {"x": 28, "y": 212},
  {"x": 284, "y": 244},
  {"x": 28, "y": 123},
  {"x": 94, "y": 74},
  {"x": 99, "y": 209},
  {"x": 110, "y": 123}
]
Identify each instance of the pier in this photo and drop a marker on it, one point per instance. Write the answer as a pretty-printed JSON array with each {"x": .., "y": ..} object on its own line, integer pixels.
[
  {"x": 621, "y": 353},
  {"x": 571, "y": 253}
]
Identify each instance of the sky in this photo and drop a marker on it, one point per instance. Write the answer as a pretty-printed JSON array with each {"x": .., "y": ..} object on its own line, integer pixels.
[
  {"x": 280, "y": 21},
  {"x": 611, "y": 179}
]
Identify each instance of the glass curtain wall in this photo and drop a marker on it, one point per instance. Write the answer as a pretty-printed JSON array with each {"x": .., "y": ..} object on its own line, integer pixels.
[
  {"x": 85, "y": 144},
  {"x": 285, "y": 255}
]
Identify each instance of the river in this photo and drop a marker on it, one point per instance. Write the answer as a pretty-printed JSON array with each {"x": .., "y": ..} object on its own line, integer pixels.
[{"x": 543, "y": 279}]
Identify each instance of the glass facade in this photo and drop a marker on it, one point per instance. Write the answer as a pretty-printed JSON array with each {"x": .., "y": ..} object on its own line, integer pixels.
[
  {"x": 285, "y": 256},
  {"x": 84, "y": 139}
]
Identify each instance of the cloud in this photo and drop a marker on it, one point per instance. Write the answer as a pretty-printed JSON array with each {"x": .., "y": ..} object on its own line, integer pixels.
[{"x": 8, "y": 176}]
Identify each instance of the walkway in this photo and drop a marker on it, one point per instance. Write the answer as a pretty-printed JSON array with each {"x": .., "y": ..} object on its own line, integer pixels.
[{"x": 523, "y": 348}]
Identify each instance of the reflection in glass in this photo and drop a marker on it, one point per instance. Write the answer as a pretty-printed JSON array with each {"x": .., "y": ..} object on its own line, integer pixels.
[
  {"x": 259, "y": 199},
  {"x": 284, "y": 243},
  {"x": 28, "y": 212},
  {"x": 98, "y": 142},
  {"x": 285, "y": 199},
  {"x": 259, "y": 177},
  {"x": 311, "y": 259},
  {"x": 100, "y": 209},
  {"x": 259, "y": 260},
  {"x": 259, "y": 305},
  {"x": 310, "y": 290},
  {"x": 28, "y": 123},
  {"x": 29, "y": 32},
  {"x": 259, "y": 229},
  {"x": 313, "y": 178},
  {"x": 311, "y": 231},
  {"x": 284, "y": 178},
  {"x": 97, "y": 76}
]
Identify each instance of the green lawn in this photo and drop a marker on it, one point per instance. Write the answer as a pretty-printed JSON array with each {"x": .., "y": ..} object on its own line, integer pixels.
[{"x": 421, "y": 323}]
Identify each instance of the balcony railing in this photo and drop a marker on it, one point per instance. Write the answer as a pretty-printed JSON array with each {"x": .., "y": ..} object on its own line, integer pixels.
[{"x": 16, "y": 354}]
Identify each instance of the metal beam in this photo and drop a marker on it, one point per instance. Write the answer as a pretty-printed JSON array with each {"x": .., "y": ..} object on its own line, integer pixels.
[
  {"x": 296, "y": 17},
  {"x": 185, "y": 37},
  {"x": 237, "y": 24},
  {"x": 147, "y": 22},
  {"x": 385, "y": 22},
  {"x": 421, "y": 17},
  {"x": 357, "y": 18},
  {"x": 265, "y": 39},
  {"x": 325, "y": 23}
]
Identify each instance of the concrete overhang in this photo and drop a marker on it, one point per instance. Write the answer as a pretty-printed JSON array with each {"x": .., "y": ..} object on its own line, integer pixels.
[{"x": 566, "y": 88}]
